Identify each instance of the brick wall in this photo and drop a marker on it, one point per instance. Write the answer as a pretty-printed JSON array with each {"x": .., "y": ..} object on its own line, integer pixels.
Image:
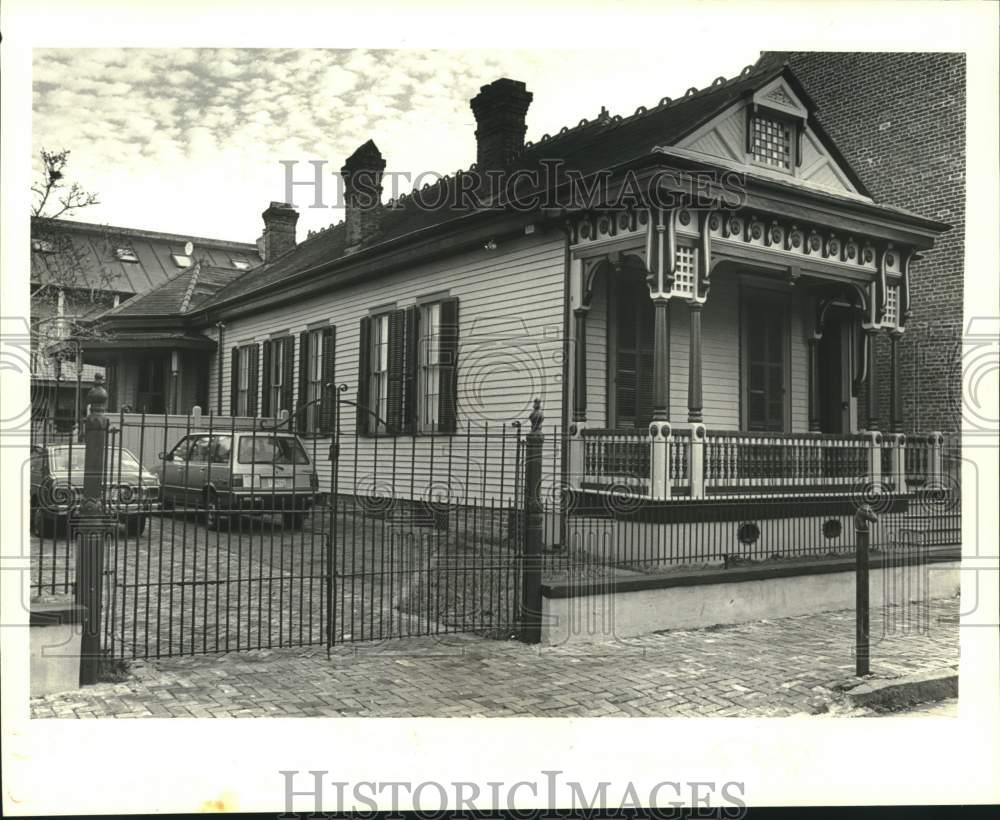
[{"x": 899, "y": 119}]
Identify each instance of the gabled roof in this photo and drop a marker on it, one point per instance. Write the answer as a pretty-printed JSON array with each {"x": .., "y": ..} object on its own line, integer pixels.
[
  {"x": 85, "y": 255},
  {"x": 591, "y": 145},
  {"x": 178, "y": 295}
]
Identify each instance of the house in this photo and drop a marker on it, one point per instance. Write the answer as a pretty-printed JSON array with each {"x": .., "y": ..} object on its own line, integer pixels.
[
  {"x": 80, "y": 270},
  {"x": 695, "y": 292}
]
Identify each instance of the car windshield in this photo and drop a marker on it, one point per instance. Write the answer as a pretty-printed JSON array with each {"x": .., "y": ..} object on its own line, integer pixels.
[
  {"x": 271, "y": 450},
  {"x": 59, "y": 460}
]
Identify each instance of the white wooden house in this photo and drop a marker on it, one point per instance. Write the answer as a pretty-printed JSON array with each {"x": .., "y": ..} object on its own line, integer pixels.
[{"x": 700, "y": 326}]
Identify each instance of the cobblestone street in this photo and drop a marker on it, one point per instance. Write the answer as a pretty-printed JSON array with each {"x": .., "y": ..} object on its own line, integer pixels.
[{"x": 766, "y": 668}]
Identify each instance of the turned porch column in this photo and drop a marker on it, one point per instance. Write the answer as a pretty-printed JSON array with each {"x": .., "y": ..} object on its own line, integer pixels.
[
  {"x": 895, "y": 414},
  {"x": 661, "y": 359},
  {"x": 580, "y": 366},
  {"x": 873, "y": 413},
  {"x": 814, "y": 422},
  {"x": 694, "y": 364}
]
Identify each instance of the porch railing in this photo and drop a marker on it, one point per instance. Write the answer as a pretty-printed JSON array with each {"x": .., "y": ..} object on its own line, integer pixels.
[
  {"x": 749, "y": 460},
  {"x": 723, "y": 462}
]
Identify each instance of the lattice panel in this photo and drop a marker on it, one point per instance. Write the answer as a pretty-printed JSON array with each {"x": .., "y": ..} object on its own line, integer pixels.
[
  {"x": 684, "y": 271},
  {"x": 891, "y": 306},
  {"x": 772, "y": 142}
]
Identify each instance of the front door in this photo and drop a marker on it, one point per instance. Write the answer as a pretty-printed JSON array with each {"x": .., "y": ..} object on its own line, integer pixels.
[{"x": 834, "y": 373}]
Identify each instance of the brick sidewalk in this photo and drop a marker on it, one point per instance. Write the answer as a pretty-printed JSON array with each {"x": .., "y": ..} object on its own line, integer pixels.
[{"x": 765, "y": 668}]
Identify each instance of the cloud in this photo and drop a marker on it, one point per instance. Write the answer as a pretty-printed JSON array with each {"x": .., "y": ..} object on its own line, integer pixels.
[{"x": 147, "y": 127}]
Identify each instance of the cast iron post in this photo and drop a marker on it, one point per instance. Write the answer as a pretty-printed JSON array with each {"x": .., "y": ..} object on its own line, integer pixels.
[
  {"x": 91, "y": 531},
  {"x": 531, "y": 586},
  {"x": 862, "y": 518}
]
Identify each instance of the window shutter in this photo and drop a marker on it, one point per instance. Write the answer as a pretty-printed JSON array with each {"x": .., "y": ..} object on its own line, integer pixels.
[
  {"x": 448, "y": 407},
  {"x": 288, "y": 387},
  {"x": 300, "y": 412},
  {"x": 234, "y": 382},
  {"x": 328, "y": 409},
  {"x": 364, "y": 374},
  {"x": 411, "y": 367},
  {"x": 265, "y": 397},
  {"x": 253, "y": 367},
  {"x": 397, "y": 367}
]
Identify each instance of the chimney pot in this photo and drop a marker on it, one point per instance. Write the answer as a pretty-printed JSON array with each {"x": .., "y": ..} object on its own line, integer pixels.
[
  {"x": 362, "y": 175},
  {"x": 500, "y": 108},
  {"x": 278, "y": 238}
]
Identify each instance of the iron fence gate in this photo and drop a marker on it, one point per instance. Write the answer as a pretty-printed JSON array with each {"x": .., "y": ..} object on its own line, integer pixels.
[{"x": 347, "y": 539}]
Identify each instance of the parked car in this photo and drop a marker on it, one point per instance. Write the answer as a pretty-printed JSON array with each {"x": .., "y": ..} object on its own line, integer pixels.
[
  {"x": 228, "y": 474},
  {"x": 57, "y": 471}
]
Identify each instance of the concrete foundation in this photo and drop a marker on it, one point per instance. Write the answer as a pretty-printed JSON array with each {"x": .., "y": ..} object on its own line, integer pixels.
[{"x": 651, "y": 604}]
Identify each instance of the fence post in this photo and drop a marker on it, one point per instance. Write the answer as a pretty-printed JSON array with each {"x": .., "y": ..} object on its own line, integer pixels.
[
  {"x": 577, "y": 455},
  {"x": 898, "y": 444},
  {"x": 863, "y": 517},
  {"x": 531, "y": 582},
  {"x": 659, "y": 460},
  {"x": 934, "y": 477},
  {"x": 696, "y": 461},
  {"x": 875, "y": 459},
  {"x": 91, "y": 531}
]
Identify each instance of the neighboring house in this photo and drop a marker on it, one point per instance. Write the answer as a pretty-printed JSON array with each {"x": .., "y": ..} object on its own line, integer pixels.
[
  {"x": 899, "y": 119},
  {"x": 702, "y": 326},
  {"x": 80, "y": 270}
]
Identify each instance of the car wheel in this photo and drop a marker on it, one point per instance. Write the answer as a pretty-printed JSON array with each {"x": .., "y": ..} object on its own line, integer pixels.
[
  {"x": 215, "y": 518},
  {"x": 135, "y": 525}
]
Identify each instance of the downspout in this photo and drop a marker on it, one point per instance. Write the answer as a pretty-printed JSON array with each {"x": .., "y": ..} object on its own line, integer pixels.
[{"x": 218, "y": 366}]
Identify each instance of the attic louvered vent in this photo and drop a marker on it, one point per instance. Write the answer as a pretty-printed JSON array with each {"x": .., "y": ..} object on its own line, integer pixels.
[{"x": 126, "y": 255}]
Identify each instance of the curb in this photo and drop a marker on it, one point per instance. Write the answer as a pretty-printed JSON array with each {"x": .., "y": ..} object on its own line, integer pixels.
[{"x": 897, "y": 693}]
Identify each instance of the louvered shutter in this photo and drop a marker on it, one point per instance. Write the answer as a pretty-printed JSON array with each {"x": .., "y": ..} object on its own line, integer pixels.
[
  {"x": 364, "y": 374},
  {"x": 253, "y": 369},
  {"x": 448, "y": 400},
  {"x": 265, "y": 397},
  {"x": 234, "y": 382},
  {"x": 301, "y": 414},
  {"x": 328, "y": 409},
  {"x": 397, "y": 368},
  {"x": 288, "y": 385},
  {"x": 411, "y": 364}
]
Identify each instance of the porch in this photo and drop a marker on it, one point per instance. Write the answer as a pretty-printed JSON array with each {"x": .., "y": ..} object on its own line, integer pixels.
[{"x": 721, "y": 354}]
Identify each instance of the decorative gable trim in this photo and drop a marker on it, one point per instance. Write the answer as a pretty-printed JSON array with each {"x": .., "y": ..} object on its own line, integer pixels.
[{"x": 778, "y": 95}]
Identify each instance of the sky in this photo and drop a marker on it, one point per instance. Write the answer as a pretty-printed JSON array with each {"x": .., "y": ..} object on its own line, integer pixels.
[{"x": 191, "y": 141}]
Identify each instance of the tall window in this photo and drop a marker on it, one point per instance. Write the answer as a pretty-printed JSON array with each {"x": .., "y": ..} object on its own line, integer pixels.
[
  {"x": 278, "y": 376},
  {"x": 378, "y": 400},
  {"x": 632, "y": 337},
  {"x": 429, "y": 378},
  {"x": 765, "y": 369},
  {"x": 314, "y": 378},
  {"x": 243, "y": 400}
]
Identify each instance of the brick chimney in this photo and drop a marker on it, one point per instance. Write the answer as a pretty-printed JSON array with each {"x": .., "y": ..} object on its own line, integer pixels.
[
  {"x": 499, "y": 109},
  {"x": 362, "y": 175},
  {"x": 279, "y": 230}
]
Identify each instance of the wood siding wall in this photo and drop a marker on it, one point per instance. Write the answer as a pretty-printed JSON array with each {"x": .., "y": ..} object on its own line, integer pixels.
[
  {"x": 510, "y": 351},
  {"x": 720, "y": 357}
]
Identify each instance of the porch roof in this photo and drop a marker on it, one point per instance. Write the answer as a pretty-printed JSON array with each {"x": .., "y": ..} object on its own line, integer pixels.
[{"x": 147, "y": 340}]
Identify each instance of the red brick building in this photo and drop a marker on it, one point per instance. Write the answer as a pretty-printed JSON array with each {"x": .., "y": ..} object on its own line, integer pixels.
[{"x": 899, "y": 119}]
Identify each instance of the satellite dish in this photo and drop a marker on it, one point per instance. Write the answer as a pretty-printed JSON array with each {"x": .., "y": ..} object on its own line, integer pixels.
[{"x": 188, "y": 248}]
